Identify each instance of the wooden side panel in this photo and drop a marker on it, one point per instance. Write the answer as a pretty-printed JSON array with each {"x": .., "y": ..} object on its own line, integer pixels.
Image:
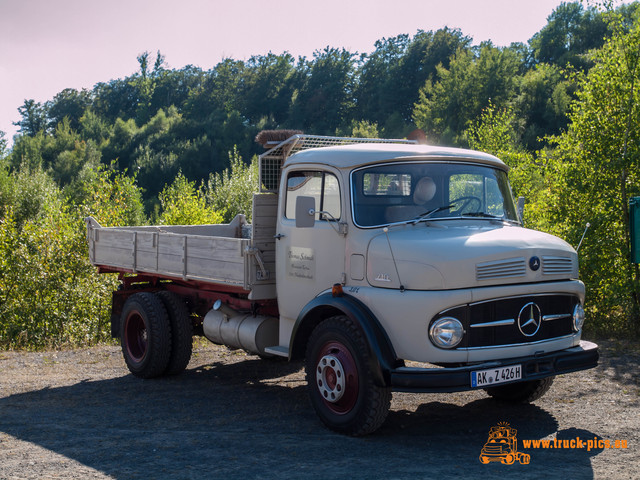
[{"x": 208, "y": 258}]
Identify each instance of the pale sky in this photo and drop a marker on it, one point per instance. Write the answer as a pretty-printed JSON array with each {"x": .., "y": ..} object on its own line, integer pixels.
[{"x": 49, "y": 45}]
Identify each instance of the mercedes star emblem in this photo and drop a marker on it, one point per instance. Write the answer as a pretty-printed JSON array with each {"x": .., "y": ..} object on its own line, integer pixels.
[{"x": 529, "y": 319}]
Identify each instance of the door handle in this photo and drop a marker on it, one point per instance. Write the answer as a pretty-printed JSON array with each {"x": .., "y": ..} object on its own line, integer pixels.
[{"x": 279, "y": 236}]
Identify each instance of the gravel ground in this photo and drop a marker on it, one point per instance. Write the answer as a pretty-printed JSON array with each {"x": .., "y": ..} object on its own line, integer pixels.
[{"x": 80, "y": 414}]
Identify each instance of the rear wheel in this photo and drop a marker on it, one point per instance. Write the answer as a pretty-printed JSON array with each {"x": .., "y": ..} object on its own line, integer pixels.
[
  {"x": 521, "y": 392},
  {"x": 145, "y": 335},
  {"x": 340, "y": 383},
  {"x": 181, "y": 332}
]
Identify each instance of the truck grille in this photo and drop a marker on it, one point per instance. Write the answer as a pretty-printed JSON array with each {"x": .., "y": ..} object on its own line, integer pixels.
[
  {"x": 557, "y": 265},
  {"x": 513, "y": 267},
  {"x": 496, "y": 322},
  {"x": 502, "y": 322}
]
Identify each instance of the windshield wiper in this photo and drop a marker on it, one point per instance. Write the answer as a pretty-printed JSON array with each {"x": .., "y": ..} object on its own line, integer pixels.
[
  {"x": 488, "y": 215},
  {"x": 426, "y": 215},
  {"x": 479, "y": 214}
]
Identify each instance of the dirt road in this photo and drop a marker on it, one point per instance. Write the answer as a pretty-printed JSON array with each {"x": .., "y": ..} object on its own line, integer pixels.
[{"x": 80, "y": 414}]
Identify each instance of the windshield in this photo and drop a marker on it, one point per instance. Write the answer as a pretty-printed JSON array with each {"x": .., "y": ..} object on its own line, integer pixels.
[{"x": 408, "y": 192}]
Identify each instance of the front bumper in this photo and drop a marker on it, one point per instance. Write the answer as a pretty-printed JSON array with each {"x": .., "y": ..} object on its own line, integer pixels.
[{"x": 408, "y": 379}]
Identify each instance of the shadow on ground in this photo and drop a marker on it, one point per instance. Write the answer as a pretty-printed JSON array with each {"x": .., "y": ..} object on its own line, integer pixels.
[{"x": 241, "y": 420}]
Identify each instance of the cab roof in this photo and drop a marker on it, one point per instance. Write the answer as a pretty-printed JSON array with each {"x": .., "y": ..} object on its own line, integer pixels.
[{"x": 350, "y": 156}]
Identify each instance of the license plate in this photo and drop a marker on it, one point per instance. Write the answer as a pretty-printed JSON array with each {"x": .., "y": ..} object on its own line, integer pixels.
[{"x": 493, "y": 376}]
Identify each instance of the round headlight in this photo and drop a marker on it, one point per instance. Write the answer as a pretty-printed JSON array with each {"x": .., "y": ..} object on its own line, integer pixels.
[
  {"x": 446, "y": 332},
  {"x": 578, "y": 317}
]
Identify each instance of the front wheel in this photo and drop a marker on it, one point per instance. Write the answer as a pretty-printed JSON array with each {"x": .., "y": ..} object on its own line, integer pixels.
[
  {"x": 521, "y": 392},
  {"x": 340, "y": 383}
]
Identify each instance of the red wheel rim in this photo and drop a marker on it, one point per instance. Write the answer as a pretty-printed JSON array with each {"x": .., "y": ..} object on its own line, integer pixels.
[
  {"x": 135, "y": 335},
  {"x": 337, "y": 378}
]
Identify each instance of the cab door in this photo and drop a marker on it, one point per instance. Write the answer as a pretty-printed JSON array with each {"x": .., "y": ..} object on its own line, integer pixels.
[{"x": 308, "y": 260}]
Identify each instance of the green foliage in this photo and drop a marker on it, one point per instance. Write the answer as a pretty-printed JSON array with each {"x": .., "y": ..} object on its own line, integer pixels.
[
  {"x": 231, "y": 192},
  {"x": 184, "y": 204},
  {"x": 111, "y": 197},
  {"x": 571, "y": 31},
  {"x": 596, "y": 170},
  {"x": 495, "y": 132},
  {"x": 34, "y": 118},
  {"x": 50, "y": 295},
  {"x": 542, "y": 104},
  {"x": 3, "y": 145},
  {"x": 447, "y": 105},
  {"x": 28, "y": 194},
  {"x": 364, "y": 129},
  {"x": 69, "y": 104},
  {"x": 324, "y": 101},
  {"x": 391, "y": 77}
]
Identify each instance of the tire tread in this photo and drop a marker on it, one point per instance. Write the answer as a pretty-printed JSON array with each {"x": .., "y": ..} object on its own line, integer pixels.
[
  {"x": 181, "y": 332},
  {"x": 158, "y": 331}
]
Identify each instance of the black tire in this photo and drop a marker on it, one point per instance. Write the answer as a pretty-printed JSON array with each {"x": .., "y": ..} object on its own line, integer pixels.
[
  {"x": 181, "y": 332},
  {"x": 145, "y": 335},
  {"x": 522, "y": 392},
  {"x": 339, "y": 380}
]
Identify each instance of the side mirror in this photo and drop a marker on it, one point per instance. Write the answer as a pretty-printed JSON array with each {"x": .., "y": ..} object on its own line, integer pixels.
[
  {"x": 521, "y": 209},
  {"x": 305, "y": 212}
]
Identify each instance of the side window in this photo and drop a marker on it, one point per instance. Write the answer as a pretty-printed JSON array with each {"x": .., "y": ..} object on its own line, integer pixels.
[{"x": 322, "y": 186}]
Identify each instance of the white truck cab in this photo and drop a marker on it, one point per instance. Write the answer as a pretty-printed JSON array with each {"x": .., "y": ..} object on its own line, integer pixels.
[{"x": 398, "y": 266}]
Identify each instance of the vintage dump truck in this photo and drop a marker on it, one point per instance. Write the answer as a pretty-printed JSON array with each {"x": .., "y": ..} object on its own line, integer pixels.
[{"x": 386, "y": 265}]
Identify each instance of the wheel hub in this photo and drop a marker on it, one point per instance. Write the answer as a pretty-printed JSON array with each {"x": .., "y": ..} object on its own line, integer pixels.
[
  {"x": 330, "y": 378},
  {"x": 136, "y": 337}
]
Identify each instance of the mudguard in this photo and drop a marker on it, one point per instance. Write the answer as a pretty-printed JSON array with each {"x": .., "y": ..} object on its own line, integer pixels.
[{"x": 382, "y": 356}]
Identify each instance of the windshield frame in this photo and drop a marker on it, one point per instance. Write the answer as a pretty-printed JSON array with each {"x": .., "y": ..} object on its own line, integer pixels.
[{"x": 509, "y": 212}]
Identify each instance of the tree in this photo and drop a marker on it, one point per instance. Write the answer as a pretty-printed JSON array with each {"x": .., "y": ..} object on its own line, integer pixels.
[
  {"x": 571, "y": 31},
  {"x": 267, "y": 88},
  {"x": 173, "y": 87},
  {"x": 377, "y": 93},
  {"x": 391, "y": 77},
  {"x": 34, "y": 118},
  {"x": 495, "y": 131},
  {"x": 116, "y": 99},
  {"x": 326, "y": 98},
  {"x": 3, "y": 145},
  {"x": 145, "y": 82},
  {"x": 231, "y": 191},
  {"x": 218, "y": 92},
  {"x": 596, "y": 171},
  {"x": 184, "y": 204},
  {"x": 425, "y": 53},
  {"x": 447, "y": 105},
  {"x": 69, "y": 103},
  {"x": 542, "y": 104}
]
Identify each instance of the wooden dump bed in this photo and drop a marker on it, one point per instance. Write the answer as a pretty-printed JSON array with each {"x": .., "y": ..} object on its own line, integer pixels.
[{"x": 235, "y": 254}]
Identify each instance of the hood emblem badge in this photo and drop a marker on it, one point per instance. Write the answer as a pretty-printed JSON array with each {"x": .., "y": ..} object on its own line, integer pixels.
[
  {"x": 529, "y": 319},
  {"x": 383, "y": 277},
  {"x": 534, "y": 263}
]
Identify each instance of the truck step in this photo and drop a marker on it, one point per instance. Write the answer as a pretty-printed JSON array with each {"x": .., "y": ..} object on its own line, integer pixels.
[{"x": 279, "y": 350}]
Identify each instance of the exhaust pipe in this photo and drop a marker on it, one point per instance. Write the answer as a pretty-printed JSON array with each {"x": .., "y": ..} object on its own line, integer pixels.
[{"x": 225, "y": 326}]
